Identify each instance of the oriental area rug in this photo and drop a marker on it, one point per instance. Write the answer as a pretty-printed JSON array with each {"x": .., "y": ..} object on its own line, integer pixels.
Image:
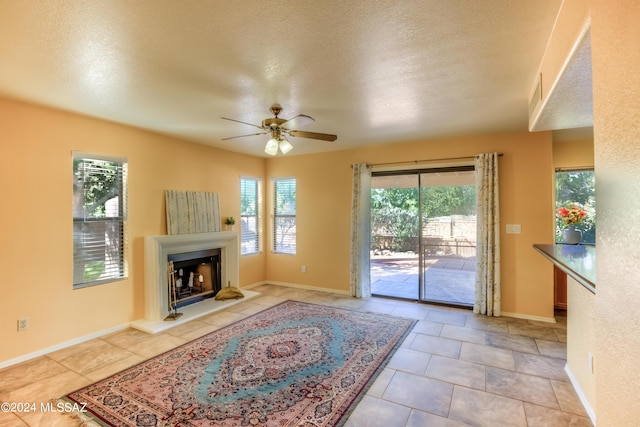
[{"x": 294, "y": 364}]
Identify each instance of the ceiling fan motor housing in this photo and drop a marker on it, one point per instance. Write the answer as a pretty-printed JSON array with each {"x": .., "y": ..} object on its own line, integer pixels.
[{"x": 272, "y": 123}]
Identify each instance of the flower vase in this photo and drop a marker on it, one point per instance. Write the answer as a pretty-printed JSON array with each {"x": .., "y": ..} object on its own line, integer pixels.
[{"x": 571, "y": 236}]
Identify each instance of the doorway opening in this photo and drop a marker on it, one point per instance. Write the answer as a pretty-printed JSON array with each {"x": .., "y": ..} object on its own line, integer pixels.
[{"x": 423, "y": 235}]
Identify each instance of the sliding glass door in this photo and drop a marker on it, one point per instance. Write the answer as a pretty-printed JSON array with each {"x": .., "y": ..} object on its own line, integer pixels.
[
  {"x": 423, "y": 235},
  {"x": 448, "y": 217}
]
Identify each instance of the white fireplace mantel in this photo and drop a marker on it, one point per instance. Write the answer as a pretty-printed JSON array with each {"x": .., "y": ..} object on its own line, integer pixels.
[{"x": 156, "y": 277}]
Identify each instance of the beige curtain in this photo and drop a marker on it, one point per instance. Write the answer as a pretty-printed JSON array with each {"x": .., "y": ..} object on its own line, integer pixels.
[
  {"x": 487, "y": 297},
  {"x": 360, "y": 283},
  {"x": 192, "y": 212}
]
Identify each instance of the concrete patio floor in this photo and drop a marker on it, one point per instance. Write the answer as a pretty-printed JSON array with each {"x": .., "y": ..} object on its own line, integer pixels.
[{"x": 448, "y": 279}]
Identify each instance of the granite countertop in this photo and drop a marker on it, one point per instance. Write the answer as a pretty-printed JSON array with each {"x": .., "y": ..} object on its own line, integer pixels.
[{"x": 578, "y": 261}]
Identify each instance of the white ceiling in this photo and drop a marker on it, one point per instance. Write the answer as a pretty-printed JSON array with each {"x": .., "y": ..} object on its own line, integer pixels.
[{"x": 372, "y": 72}]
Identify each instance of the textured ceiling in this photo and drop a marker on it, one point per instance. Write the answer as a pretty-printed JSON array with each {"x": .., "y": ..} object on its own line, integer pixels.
[{"x": 371, "y": 72}]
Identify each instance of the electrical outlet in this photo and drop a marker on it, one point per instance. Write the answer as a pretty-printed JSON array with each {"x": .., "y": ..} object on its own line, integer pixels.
[
  {"x": 23, "y": 324},
  {"x": 591, "y": 363},
  {"x": 514, "y": 229},
  {"x": 304, "y": 268}
]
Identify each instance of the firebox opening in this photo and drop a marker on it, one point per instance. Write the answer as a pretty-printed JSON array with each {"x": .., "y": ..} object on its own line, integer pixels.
[{"x": 197, "y": 276}]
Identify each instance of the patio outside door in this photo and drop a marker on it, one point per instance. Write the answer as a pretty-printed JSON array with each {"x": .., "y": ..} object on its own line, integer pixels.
[{"x": 423, "y": 235}]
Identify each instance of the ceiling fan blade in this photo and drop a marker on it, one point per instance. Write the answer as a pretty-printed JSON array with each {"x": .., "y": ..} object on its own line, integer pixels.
[
  {"x": 297, "y": 122},
  {"x": 313, "y": 135},
  {"x": 241, "y": 136},
  {"x": 244, "y": 123}
]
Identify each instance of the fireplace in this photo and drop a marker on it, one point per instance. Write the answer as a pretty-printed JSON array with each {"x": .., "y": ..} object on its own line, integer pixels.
[
  {"x": 194, "y": 276},
  {"x": 223, "y": 246}
]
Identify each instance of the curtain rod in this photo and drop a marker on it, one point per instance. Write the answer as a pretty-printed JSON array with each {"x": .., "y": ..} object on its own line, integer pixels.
[{"x": 427, "y": 160}]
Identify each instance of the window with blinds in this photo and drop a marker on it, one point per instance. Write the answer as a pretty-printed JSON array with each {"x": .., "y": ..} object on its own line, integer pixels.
[
  {"x": 250, "y": 213},
  {"x": 99, "y": 219},
  {"x": 284, "y": 215}
]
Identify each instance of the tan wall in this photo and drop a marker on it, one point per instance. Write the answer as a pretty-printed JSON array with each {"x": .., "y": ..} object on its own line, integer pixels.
[
  {"x": 36, "y": 226},
  {"x": 616, "y": 107},
  {"x": 37, "y": 181},
  {"x": 324, "y": 200},
  {"x": 573, "y": 154},
  {"x": 581, "y": 339}
]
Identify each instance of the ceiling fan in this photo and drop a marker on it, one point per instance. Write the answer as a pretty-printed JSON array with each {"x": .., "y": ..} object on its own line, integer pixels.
[{"x": 280, "y": 128}]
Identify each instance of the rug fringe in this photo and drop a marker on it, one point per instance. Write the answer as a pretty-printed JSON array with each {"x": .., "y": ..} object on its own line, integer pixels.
[{"x": 81, "y": 419}]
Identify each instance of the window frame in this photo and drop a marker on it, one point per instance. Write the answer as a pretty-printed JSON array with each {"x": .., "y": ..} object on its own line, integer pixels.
[
  {"x": 246, "y": 218},
  {"x": 591, "y": 208},
  {"x": 85, "y": 250},
  {"x": 277, "y": 215}
]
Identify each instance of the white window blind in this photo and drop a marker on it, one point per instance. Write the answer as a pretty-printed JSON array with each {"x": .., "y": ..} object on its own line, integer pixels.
[
  {"x": 99, "y": 219},
  {"x": 284, "y": 215},
  {"x": 250, "y": 213}
]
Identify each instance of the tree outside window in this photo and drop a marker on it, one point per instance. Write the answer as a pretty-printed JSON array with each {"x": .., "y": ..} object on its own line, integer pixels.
[
  {"x": 577, "y": 186},
  {"x": 250, "y": 215},
  {"x": 99, "y": 215},
  {"x": 284, "y": 215}
]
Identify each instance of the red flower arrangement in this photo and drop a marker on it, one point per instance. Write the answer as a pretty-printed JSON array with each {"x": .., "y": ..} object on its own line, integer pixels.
[{"x": 572, "y": 214}]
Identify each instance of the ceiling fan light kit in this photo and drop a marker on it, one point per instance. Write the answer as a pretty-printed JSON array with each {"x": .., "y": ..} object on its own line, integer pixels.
[
  {"x": 272, "y": 147},
  {"x": 279, "y": 128},
  {"x": 285, "y": 146}
]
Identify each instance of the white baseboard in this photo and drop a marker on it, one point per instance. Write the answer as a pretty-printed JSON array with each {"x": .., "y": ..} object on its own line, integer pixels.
[
  {"x": 79, "y": 340},
  {"x": 529, "y": 317},
  {"x": 583, "y": 399},
  {"x": 295, "y": 285},
  {"x": 60, "y": 346}
]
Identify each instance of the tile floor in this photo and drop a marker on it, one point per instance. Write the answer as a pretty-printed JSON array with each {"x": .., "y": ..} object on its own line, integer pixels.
[{"x": 454, "y": 369}]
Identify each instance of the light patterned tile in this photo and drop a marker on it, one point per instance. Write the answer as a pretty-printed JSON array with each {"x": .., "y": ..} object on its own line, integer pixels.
[
  {"x": 423, "y": 419},
  {"x": 523, "y": 387},
  {"x": 126, "y": 337},
  {"x": 552, "y": 349},
  {"x": 223, "y": 318},
  {"x": 428, "y": 328},
  {"x": 9, "y": 419},
  {"x": 407, "y": 360},
  {"x": 420, "y": 393},
  {"x": 380, "y": 384},
  {"x": 114, "y": 368},
  {"x": 485, "y": 323},
  {"x": 46, "y": 389},
  {"x": 268, "y": 300},
  {"x": 200, "y": 332},
  {"x": 533, "y": 331},
  {"x": 457, "y": 372},
  {"x": 479, "y": 408},
  {"x": 568, "y": 398},
  {"x": 541, "y": 366},
  {"x": 464, "y": 334},
  {"x": 512, "y": 342},
  {"x": 408, "y": 340},
  {"x": 413, "y": 311},
  {"x": 374, "y": 412},
  {"x": 156, "y": 345},
  {"x": 539, "y": 416},
  {"x": 401, "y": 396},
  {"x": 186, "y": 328},
  {"x": 55, "y": 419},
  {"x": 446, "y": 316},
  {"x": 14, "y": 377},
  {"x": 246, "y": 308},
  {"x": 436, "y": 345},
  {"x": 561, "y": 335},
  {"x": 489, "y": 356},
  {"x": 92, "y": 355}
]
